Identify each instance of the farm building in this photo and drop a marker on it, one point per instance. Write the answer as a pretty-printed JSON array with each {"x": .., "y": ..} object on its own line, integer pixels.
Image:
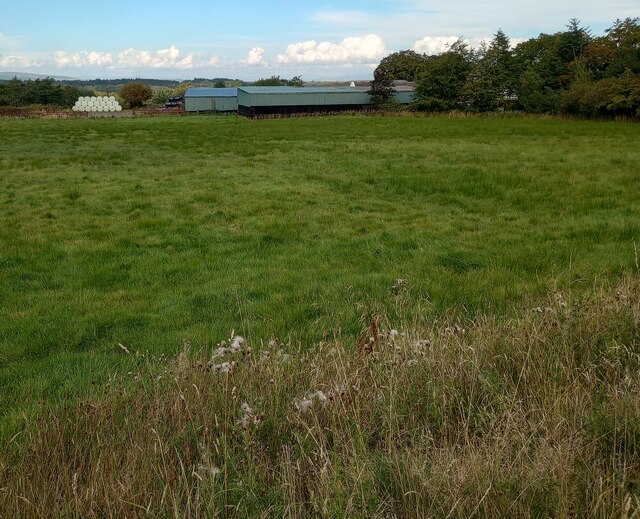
[
  {"x": 285, "y": 100},
  {"x": 252, "y": 101},
  {"x": 211, "y": 100}
]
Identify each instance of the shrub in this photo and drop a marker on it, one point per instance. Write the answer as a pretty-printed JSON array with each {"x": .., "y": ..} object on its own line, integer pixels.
[{"x": 135, "y": 94}]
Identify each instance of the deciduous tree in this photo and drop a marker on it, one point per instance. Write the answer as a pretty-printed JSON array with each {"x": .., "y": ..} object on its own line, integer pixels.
[{"x": 135, "y": 94}]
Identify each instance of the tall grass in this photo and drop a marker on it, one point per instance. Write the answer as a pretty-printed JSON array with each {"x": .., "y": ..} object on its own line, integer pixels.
[{"x": 536, "y": 416}]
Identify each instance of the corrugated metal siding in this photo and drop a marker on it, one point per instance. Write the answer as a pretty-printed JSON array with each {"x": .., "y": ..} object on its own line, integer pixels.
[
  {"x": 404, "y": 98},
  {"x": 198, "y": 104},
  {"x": 226, "y": 104},
  {"x": 302, "y": 97},
  {"x": 211, "y": 104}
]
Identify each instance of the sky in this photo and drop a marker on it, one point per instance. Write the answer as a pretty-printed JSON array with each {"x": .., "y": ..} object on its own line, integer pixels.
[{"x": 250, "y": 39}]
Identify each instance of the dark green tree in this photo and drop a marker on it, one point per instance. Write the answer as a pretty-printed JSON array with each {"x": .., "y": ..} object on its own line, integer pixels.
[
  {"x": 624, "y": 39},
  {"x": 39, "y": 92},
  {"x": 405, "y": 65},
  {"x": 271, "y": 81},
  {"x": 382, "y": 89},
  {"x": 442, "y": 79},
  {"x": 492, "y": 81},
  {"x": 296, "y": 81}
]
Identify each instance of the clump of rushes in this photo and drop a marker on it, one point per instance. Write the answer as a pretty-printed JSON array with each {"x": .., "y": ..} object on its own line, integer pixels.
[{"x": 537, "y": 416}]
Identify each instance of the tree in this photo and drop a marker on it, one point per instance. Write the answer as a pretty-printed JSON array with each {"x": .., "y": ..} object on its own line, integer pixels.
[
  {"x": 624, "y": 39},
  {"x": 183, "y": 87},
  {"x": 442, "y": 79},
  {"x": 219, "y": 84},
  {"x": 39, "y": 92},
  {"x": 534, "y": 95},
  {"x": 382, "y": 89},
  {"x": 295, "y": 81},
  {"x": 160, "y": 96},
  {"x": 405, "y": 65},
  {"x": 135, "y": 94},
  {"x": 574, "y": 40},
  {"x": 492, "y": 81}
]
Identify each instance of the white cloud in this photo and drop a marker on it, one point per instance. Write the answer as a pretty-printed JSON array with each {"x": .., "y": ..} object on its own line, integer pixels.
[
  {"x": 16, "y": 62},
  {"x": 256, "y": 56},
  {"x": 354, "y": 49},
  {"x": 170, "y": 58},
  {"x": 164, "y": 58},
  {"x": 83, "y": 59},
  {"x": 431, "y": 45}
]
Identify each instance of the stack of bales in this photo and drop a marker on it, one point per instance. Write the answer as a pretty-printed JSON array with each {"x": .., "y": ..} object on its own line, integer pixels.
[{"x": 97, "y": 104}]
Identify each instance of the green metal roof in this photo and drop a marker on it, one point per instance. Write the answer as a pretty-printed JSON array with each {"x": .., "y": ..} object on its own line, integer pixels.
[
  {"x": 302, "y": 90},
  {"x": 211, "y": 92}
]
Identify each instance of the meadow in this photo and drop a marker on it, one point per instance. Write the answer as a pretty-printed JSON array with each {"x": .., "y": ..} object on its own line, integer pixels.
[{"x": 147, "y": 233}]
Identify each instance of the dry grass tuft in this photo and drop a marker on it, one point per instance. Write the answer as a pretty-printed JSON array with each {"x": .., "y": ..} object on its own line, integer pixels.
[{"x": 534, "y": 417}]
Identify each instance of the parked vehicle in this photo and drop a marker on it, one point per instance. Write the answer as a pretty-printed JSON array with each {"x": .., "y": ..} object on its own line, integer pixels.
[{"x": 174, "y": 102}]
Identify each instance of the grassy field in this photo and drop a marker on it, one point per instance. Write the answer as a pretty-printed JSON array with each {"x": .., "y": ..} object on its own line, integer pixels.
[
  {"x": 536, "y": 416},
  {"x": 147, "y": 232}
]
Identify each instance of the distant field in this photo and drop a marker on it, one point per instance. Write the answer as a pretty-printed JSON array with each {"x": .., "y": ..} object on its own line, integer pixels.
[{"x": 147, "y": 232}]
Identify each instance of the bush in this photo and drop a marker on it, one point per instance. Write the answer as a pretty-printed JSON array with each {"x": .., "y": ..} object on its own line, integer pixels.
[
  {"x": 160, "y": 96},
  {"x": 608, "y": 97},
  {"x": 135, "y": 94}
]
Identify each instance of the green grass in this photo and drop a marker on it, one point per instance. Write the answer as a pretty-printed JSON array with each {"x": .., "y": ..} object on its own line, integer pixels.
[
  {"x": 149, "y": 231},
  {"x": 535, "y": 416}
]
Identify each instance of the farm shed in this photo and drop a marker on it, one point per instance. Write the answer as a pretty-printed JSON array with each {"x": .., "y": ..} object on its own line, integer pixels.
[
  {"x": 211, "y": 100},
  {"x": 285, "y": 100}
]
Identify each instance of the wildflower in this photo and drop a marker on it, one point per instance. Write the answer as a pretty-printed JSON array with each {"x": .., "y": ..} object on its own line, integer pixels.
[
  {"x": 220, "y": 352},
  {"x": 265, "y": 355},
  {"x": 205, "y": 466},
  {"x": 412, "y": 362},
  {"x": 225, "y": 367},
  {"x": 393, "y": 334},
  {"x": 273, "y": 343},
  {"x": 236, "y": 344},
  {"x": 303, "y": 404},
  {"x": 320, "y": 396},
  {"x": 340, "y": 389},
  {"x": 399, "y": 283},
  {"x": 537, "y": 310},
  {"x": 282, "y": 357},
  {"x": 422, "y": 343},
  {"x": 247, "y": 417}
]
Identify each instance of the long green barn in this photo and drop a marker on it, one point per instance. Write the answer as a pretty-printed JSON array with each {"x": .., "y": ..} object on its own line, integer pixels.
[{"x": 255, "y": 101}]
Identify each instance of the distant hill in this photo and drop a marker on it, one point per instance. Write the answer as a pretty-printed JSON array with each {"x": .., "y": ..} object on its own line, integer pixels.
[
  {"x": 149, "y": 81},
  {"x": 115, "y": 83},
  {"x": 26, "y": 76}
]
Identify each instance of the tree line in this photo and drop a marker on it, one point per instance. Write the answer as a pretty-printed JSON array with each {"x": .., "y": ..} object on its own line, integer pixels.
[
  {"x": 16, "y": 92},
  {"x": 571, "y": 71}
]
